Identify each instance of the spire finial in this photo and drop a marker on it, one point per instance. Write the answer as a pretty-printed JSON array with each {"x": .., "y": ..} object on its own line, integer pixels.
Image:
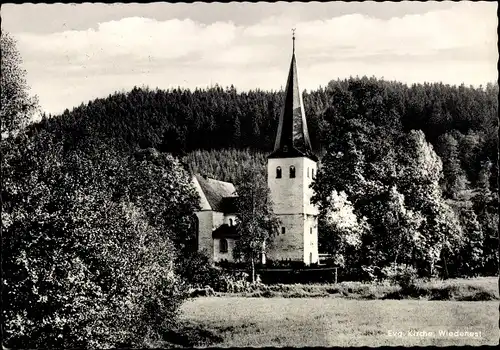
[{"x": 293, "y": 38}]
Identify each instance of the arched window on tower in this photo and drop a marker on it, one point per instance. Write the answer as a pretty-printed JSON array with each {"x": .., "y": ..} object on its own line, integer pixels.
[
  {"x": 308, "y": 172},
  {"x": 292, "y": 171},
  {"x": 230, "y": 222},
  {"x": 278, "y": 172},
  {"x": 312, "y": 175},
  {"x": 223, "y": 245}
]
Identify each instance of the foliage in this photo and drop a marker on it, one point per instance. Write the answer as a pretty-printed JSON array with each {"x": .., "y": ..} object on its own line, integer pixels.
[
  {"x": 392, "y": 180},
  {"x": 361, "y": 128},
  {"x": 84, "y": 248},
  {"x": 197, "y": 271},
  {"x": 402, "y": 275},
  {"x": 16, "y": 107},
  {"x": 256, "y": 222},
  {"x": 227, "y": 164},
  {"x": 217, "y": 118},
  {"x": 340, "y": 228}
]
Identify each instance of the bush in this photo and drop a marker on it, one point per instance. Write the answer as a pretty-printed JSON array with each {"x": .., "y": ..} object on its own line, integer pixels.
[
  {"x": 86, "y": 262},
  {"x": 197, "y": 271},
  {"x": 479, "y": 296},
  {"x": 402, "y": 275},
  {"x": 369, "y": 273},
  {"x": 201, "y": 292}
]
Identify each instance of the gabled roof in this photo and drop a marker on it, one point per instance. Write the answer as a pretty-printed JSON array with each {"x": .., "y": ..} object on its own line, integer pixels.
[
  {"x": 292, "y": 138},
  {"x": 219, "y": 195}
]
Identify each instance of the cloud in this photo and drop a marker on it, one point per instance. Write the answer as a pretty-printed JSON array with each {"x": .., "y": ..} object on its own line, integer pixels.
[{"x": 453, "y": 45}]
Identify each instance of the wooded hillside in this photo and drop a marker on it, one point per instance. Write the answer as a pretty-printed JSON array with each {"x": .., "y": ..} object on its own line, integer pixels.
[
  {"x": 385, "y": 133},
  {"x": 460, "y": 122}
]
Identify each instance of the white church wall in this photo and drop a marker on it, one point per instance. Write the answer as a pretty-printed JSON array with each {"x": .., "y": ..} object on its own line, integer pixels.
[
  {"x": 310, "y": 239},
  {"x": 292, "y": 204},
  {"x": 308, "y": 167},
  {"x": 218, "y": 219},
  {"x": 286, "y": 193},
  {"x": 205, "y": 240},
  {"x": 288, "y": 245},
  {"x": 228, "y": 219},
  {"x": 218, "y": 255}
]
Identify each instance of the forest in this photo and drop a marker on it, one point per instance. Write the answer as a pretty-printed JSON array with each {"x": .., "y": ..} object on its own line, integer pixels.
[
  {"x": 460, "y": 122},
  {"x": 223, "y": 133},
  {"x": 97, "y": 201}
]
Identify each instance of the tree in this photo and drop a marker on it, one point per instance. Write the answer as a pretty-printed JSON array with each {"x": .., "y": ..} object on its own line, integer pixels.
[
  {"x": 486, "y": 207},
  {"x": 158, "y": 176},
  {"x": 86, "y": 263},
  {"x": 454, "y": 177},
  {"x": 392, "y": 180},
  {"x": 419, "y": 180},
  {"x": 341, "y": 230},
  {"x": 256, "y": 222},
  {"x": 16, "y": 107}
]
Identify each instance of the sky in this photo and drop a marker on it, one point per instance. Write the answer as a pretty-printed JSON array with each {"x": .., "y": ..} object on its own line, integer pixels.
[{"x": 76, "y": 53}]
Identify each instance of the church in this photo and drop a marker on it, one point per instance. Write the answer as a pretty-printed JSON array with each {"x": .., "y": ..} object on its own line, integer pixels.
[{"x": 291, "y": 168}]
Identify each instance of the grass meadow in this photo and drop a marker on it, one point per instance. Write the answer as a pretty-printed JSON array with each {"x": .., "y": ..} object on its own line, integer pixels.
[
  {"x": 298, "y": 322},
  {"x": 342, "y": 319}
]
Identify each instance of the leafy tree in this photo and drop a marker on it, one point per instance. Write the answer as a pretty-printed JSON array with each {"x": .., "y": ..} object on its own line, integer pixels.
[
  {"x": 486, "y": 206},
  {"x": 391, "y": 179},
  {"x": 340, "y": 228},
  {"x": 257, "y": 224},
  {"x": 84, "y": 248},
  {"x": 16, "y": 107},
  {"x": 223, "y": 132},
  {"x": 471, "y": 257},
  {"x": 454, "y": 179},
  {"x": 419, "y": 182}
]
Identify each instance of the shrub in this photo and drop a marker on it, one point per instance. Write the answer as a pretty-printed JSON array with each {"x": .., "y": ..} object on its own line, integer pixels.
[
  {"x": 197, "y": 271},
  {"x": 369, "y": 273},
  {"x": 402, "y": 275},
  {"x": 479, "y": 296},
  {"x": 86, "y": 262},
  {"x": 201, "y": 292}
]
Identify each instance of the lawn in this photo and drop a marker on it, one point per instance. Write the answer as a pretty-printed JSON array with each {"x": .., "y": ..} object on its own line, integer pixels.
[{"x": 242, "y": 322}]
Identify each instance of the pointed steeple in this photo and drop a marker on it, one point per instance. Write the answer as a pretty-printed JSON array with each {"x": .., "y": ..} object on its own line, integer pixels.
[{"x": 292, "y": 138}]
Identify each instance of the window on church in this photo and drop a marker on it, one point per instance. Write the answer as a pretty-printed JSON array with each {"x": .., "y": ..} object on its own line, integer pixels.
[
  {"x": 230, "y": 222},
  {"x": 223, "y": 245},
  {"x": 307, "y": 172},
  {"x": 292, "y": 171},
  {"x": 310, "y": 230},
  {"x": 312, "y": 173},
  {"x": 283, "y": 230},
  {"x": 278, "y": 172}
]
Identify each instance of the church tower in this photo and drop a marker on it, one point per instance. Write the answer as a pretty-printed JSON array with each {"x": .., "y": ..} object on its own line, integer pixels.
[{"x": 291, "y": 168}]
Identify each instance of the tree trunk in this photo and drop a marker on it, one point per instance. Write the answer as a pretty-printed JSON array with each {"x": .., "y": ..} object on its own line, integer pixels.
[
  {"x": 398, "y": 248},
  {"x": 446, "y": 276},
  {"x": 253, "y": 271}
]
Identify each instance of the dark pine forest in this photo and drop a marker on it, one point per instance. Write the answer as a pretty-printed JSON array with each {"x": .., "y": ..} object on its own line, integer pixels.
[{"x": 221, "y": 131}]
